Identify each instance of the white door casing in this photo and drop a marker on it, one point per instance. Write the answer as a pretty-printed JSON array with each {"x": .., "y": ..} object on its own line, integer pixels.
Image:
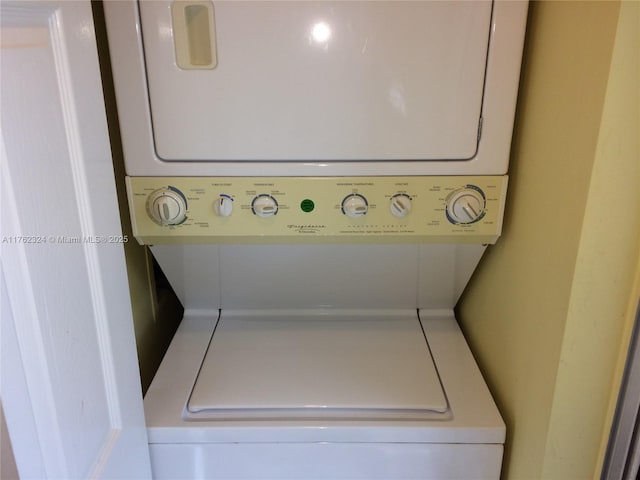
[{"x": 70, "y": 384}]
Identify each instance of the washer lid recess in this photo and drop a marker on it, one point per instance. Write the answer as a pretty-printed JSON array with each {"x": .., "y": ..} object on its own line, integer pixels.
[
  {"x": 314, "y": 81},
  {"x": 317, "y": 365}
]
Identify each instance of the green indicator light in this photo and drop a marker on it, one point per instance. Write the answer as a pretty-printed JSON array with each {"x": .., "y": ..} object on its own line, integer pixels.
[{"x": 307, "y": 205}]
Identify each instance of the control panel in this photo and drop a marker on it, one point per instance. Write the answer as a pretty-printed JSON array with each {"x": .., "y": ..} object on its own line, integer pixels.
[{"x": 168, "y": 210}]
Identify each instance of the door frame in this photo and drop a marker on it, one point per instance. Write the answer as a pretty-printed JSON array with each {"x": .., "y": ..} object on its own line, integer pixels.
[{"x": 69, "y": 362}]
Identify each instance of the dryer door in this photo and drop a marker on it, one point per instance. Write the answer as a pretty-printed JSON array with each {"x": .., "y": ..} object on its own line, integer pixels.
[{"x": 315, "y": 81}]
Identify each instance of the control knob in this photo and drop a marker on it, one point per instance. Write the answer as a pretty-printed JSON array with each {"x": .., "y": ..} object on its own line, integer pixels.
[
  {"x": 223, "y": 206},
  {"x": 355, "y": 205},
  {"x": 466, "y": 205},
  {"x": 264, "y": 206},
  {"x": 400, "y": 205},
  {"x": 167, "y": 206}
]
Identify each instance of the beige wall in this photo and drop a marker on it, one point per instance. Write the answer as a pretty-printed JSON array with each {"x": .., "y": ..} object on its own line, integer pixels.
[
  {"x": 602, "y": 283},
  {"x": 547, "y": 312},
  {"x": 8, "y": 468}
]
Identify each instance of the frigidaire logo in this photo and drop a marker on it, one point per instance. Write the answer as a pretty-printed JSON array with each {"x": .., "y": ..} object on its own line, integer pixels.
[{"x": 301, "y": 227}]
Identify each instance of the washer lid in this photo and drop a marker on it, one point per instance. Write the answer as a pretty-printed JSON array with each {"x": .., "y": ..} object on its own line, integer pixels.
[{"x": 343, "y": 365}]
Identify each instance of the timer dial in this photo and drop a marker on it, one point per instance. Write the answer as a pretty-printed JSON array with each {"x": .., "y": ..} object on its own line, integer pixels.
[
  {"x": 355, "y": 205},
  {"x": 264, "y": 206},
  {"x": 167, "y": 206},
  {"x": 467, "y": 205}
]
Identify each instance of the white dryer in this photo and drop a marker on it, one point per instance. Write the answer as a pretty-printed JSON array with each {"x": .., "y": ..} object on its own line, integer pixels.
[{"x": 318, "y": 180}]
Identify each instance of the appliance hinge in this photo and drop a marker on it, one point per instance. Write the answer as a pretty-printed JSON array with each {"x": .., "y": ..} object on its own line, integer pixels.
[{"x": 479, "y": 129}]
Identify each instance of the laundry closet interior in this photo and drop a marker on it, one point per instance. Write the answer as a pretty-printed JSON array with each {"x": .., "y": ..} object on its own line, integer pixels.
[{"x": 317, "y": 188}]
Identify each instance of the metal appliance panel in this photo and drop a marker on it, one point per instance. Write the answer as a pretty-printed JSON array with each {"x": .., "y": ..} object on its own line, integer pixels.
[
  {"x": 326, "y": 461},
  {"x": 316, "y": 209},
  {"x": 209, "y": 277}
]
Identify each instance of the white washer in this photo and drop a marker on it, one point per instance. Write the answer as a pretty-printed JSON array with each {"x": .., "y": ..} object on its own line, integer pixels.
[
  {"x": 313, "y": 391},
  {"x": 457, "y": 434},
  {"x": 318, "y": 181}
]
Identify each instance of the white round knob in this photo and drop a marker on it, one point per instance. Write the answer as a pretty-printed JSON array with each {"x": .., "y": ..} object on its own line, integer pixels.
[
  {"x": 466, "y": 205},
  {"x": 400, "y": 205},
  {"x": 223, "y": 206},
  {"x": 167, "y": 206},
  {"x": 355, "y": 205},
  {"x": 264, "y": 206}
]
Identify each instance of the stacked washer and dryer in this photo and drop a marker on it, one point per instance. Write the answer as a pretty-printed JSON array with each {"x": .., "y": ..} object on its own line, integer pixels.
[{"x": 318, "y": 180}]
